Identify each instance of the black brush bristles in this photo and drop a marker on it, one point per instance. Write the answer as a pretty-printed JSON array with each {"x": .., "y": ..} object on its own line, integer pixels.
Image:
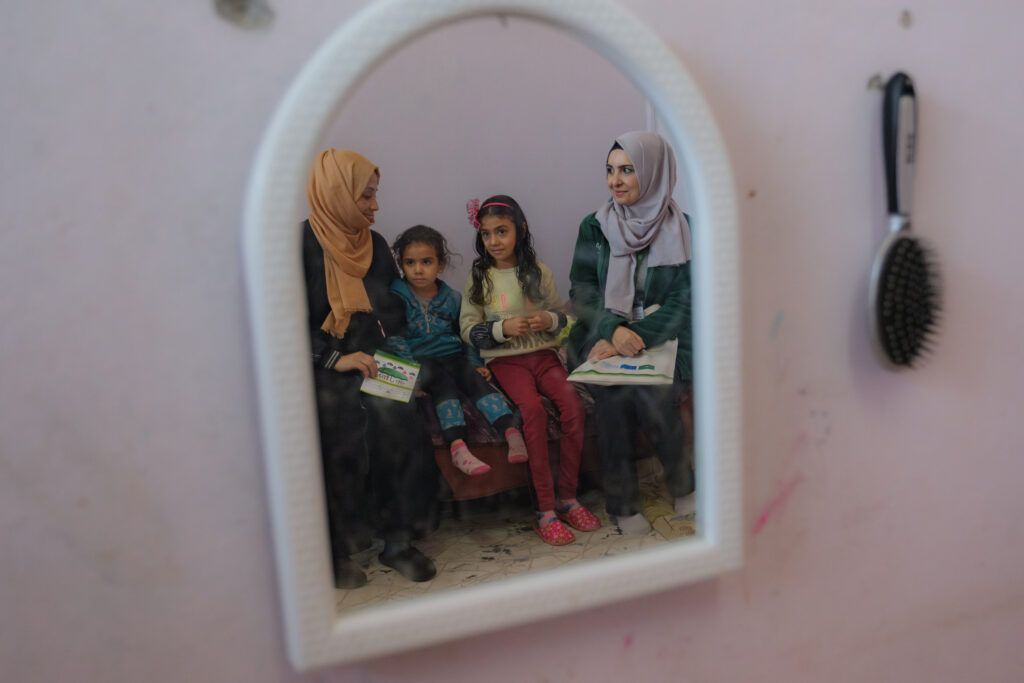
[{"x": 909, "y": 301}]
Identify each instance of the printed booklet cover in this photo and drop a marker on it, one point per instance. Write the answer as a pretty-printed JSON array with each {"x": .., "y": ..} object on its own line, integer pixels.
[
  {"x": 396, "y": 378},
  {"x": 653, "y": 366}
]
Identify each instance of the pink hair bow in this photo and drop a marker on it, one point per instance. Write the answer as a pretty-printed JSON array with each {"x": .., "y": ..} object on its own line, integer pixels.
[{"x": 472, "y": 209}]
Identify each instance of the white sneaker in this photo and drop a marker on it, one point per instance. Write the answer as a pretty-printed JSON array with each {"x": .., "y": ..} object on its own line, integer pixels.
[
  {"x": 686, "y": 506},
  {"x": 634, "y": 525}
]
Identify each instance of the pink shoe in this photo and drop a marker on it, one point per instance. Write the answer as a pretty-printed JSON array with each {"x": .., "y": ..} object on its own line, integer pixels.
[
  {"x": 554, "y": 533},
  {"x": 580, "y": 518}
]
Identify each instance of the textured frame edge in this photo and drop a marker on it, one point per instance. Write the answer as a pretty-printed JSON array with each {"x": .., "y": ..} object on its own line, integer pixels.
[{"x": 315, "y": 634}]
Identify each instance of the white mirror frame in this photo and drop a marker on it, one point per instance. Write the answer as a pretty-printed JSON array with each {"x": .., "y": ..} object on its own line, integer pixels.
[{"x": 316, "y": 634}]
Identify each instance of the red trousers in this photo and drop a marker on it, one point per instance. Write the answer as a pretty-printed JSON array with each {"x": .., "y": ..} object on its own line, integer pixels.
[{"x": 525, "y": 379}]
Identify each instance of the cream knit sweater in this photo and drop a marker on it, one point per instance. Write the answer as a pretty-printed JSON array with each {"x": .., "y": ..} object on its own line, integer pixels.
[{"x": 508, "y": 301}]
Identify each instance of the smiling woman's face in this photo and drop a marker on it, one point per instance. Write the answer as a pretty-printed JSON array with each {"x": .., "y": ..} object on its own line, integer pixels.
[
  {"x": 367, "y": 201},
  {"x": 622, "y": 180}
]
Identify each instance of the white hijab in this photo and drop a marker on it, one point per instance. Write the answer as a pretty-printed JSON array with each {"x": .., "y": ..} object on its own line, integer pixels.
[{"x": 654, "y": 220}]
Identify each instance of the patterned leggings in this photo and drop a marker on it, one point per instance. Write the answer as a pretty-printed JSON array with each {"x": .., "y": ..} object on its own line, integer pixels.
[{"x": 446, "y": 380}]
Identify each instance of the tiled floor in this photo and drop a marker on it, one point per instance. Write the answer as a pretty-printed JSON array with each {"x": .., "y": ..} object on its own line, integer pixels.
[{"x": 493, "y": 545}]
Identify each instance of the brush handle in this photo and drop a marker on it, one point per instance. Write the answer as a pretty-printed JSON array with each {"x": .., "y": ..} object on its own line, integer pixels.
[{"x": 899, "y": 139}]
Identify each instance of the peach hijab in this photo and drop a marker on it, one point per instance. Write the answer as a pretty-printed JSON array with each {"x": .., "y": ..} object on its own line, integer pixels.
[{"x": 338, "y": 178}]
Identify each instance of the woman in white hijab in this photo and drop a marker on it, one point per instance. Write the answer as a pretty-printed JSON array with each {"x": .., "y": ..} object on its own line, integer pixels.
[{"x": 631, "y": 254}]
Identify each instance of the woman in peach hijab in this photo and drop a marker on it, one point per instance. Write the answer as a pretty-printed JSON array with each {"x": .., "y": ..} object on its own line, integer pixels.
[{"x": 375, "y": 467}]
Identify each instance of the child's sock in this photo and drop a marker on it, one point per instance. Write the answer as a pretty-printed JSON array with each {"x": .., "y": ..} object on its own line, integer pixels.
[
  {"x": 545, "y": 518},
  {"x": 633, "y": 524},
  {"x": 516, "y": 446},
  {"x": 463, "y": 459}
]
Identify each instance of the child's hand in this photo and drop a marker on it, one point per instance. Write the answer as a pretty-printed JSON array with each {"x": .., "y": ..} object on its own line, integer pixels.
[
  {"x": 602, "y": 349},
  {"x": 360, "y": 361},
  {"x": 626, "y": 341},
  {"x": 514, "y": 327},
  {"x": 485, "y": 373},
  {"x": 539, "y": 322}
]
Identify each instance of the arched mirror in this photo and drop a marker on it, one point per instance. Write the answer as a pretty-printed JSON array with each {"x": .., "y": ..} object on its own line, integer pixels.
[{"x": 460, "y": 100}]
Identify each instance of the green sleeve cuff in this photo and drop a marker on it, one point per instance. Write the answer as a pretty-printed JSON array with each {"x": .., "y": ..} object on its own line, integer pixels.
[{"x": 606, "y": 328}]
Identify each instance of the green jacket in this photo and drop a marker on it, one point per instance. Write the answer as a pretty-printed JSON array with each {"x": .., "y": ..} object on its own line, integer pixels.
[{"x": 667, "y": 286}]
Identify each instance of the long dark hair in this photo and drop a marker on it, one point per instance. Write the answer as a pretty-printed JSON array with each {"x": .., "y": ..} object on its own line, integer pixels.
[{"x": 527, "y": 270}]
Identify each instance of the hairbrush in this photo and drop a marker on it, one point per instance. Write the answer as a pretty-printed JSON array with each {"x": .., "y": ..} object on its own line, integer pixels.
[{"x": 905, "y": 298}]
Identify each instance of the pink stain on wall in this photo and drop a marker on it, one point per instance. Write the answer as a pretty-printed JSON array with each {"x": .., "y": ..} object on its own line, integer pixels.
[
  {"x": 795, "y": 450},
  {"x": 800, "y": 441},
  {"x": 776, "y": 503}
]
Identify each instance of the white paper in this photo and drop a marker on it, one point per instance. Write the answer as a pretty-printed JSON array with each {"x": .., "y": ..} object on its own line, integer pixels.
[{"x": 653, "y": 366}]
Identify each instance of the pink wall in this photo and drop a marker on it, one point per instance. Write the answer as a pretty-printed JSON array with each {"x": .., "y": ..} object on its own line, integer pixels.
[
  {"x": 487, "y": 107},
  {"x": 133, "y": 519}
]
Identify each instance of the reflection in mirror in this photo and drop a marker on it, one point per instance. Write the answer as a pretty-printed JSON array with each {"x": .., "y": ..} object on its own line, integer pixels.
[{"x": 499, "y": 462}]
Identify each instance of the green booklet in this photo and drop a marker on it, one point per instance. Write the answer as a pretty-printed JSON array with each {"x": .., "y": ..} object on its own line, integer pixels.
[{"x": 396, "y": 378}]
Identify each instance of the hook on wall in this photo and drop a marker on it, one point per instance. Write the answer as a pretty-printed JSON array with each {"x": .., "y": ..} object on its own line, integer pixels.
[{"x": 251, "y": 14}]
